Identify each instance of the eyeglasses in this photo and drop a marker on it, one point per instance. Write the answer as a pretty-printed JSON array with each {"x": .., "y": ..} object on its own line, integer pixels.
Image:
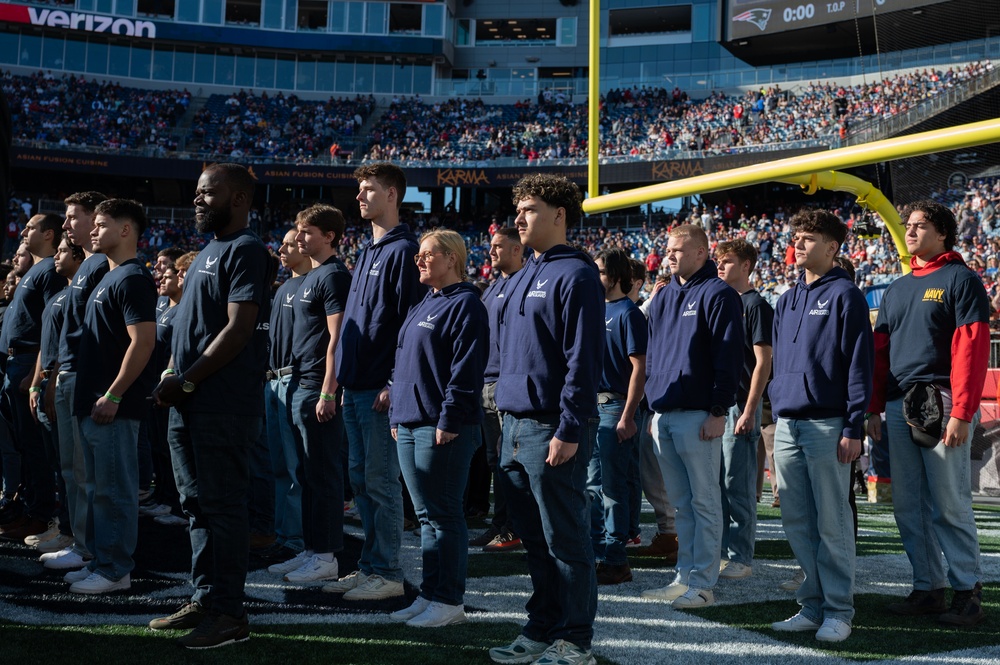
[{"x": 426, "y": 256}]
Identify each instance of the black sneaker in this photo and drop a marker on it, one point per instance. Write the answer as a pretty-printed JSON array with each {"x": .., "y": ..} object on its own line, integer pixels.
[
  {"x": 187, "y": 617},
  {"x": 919, "y": 603},
  {"x": 966, "y": 608},
  {"x": 485, "y": 537},
  {"x": 217, "y": 630},
  {"x": 608, "y": 574}
]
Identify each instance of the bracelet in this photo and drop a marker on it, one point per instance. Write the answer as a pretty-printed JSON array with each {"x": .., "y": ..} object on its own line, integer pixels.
[
  {"x": 167, "y": 372},
  {"x": 111, "y": 398},
  {"x": 35, "y": 389},
  {"x": 327, "y": 397}
]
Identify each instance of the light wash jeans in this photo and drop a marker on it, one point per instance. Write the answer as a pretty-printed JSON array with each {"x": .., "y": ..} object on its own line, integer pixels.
[
  {"x": 817, "y": 515},
  {"x": 932, "y": 502},
  {"x": 73, "y": 470},
  {"x": 738, "y": 480},
  {"x": 373, "y": 468},
  {"x": 285, "y": 464},
  {"x": 690, "y": 469},
  {"x": 653, "y": 485},
  {"x": 110, "y": 455}
]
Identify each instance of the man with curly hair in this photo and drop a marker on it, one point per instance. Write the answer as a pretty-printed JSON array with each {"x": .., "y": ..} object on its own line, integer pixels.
[{"x": 550, "y": 332}]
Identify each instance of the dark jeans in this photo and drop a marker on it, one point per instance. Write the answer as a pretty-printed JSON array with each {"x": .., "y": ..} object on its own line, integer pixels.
[
  {"x": 551, "y": 514},
  {"x": 491, "y": 441},
  {"x": 320, "y": 471},
  {"x": 210, "y": 456},
  {"x": 260, "y": 494},
  {"x": 37, "y": 477}
]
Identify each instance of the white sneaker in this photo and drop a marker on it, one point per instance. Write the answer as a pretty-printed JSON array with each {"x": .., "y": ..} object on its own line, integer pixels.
[
  {"x": 171, "y": 520},
  {"x": 833, "y": 630},
  {"x": 672, "y": 591},
  {"x": 736, "y": 571},
  {"x": 64, "y": 559},
  {"x": 294, "y": 563},
  {"x": 562, "y": 652},
  {"x": 60, "y": 542},
  {"x": 346, "y": 583},
  {"x": 48, "y": 534},
  {"x": 796, "y": 624},
  {"x": 418, "y": 606},
  {"x": 77, "y": 575},
  {"x": 153, "y": 510},
  {"x": 694, "y": 598},
  {"x": 437, "y": 615},
  {"x": 375, "y": 587},
  {"x": 522, "y": 650},
  {"x": 313, "y": 570},
  {"x": 95, "y": 583}
]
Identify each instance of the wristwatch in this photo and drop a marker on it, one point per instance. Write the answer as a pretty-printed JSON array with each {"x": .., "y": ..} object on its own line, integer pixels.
[
  {"x": 187, "y": 386},
  {"x": 718, "y": 411}
]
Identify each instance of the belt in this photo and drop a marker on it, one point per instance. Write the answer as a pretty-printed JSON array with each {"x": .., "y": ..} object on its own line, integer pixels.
[
  {"x": 21, "y": 350},
  {"x": 273, "y": 374},
  {"x": 46, "y": 373},
  {"x": 604, "y": 398}
]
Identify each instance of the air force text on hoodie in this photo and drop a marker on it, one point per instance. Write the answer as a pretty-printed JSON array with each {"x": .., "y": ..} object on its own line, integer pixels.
[
  {"x": 695, "y": 352},
  {"x": 552, "y": 340},
  {"x": 823, "y": 352},
  {"x": 440, "y": 358},
  {"x": 386, "y": 284}
]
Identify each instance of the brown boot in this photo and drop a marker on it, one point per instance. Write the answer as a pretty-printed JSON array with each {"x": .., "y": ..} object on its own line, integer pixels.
[{"x": 663, "y": 545}]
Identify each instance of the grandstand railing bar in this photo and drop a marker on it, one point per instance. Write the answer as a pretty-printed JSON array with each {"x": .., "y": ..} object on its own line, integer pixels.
[{"x": 995, "y": 350}]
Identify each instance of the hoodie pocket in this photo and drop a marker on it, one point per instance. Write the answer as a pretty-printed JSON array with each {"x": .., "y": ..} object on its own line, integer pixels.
[
  {"x": 791, "y": 393},
  {"x": 520, "y": 393},
  {"x": 666, "y": 389}
]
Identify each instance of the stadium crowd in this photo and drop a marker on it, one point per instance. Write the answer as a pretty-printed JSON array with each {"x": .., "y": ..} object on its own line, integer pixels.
[{"x": 278, "y": 413}]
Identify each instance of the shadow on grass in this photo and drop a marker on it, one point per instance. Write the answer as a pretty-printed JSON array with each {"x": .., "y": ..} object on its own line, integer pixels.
[{"x": 876, "y": 634}]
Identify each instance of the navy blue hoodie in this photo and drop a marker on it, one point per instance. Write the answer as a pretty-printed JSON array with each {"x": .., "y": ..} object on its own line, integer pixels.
[
  {"x": 695, "y": 352},
  {"x": 385, "y": 287},
  {"x": 440, "y": 358},
  {"x": 552, "y": 340},
  {"x": 823, "y": 352}
]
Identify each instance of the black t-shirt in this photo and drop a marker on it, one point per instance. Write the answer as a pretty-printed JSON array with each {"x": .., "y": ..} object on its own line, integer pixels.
[
  {"x": 322, "y": 293},
  {"x": 758, "y": 321},
  {"x": 126, "y": 296},
  {"x": 282, "y": 314},
  {"x": 164, "y": 334},
  {"x": 22, "y": 322},
  {"x": 230, "y": 269},
  {"x": 920, "y": 315},
  {"x": 52, "y": 324},
  {"x": 91, "y": 271}
]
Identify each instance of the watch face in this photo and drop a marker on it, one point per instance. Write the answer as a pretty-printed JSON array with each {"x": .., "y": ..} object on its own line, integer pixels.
[{"x": 187, "y": 387}]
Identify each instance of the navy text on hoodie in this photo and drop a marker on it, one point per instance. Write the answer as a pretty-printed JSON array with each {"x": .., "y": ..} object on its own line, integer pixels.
[
  {"x": 385, "y": 286},
  {"x": 440, "y": 361},
  {"x": 552, "y": 340},
  {"x": 695, "y": 352},
  {"x": 823, "y": 352}
]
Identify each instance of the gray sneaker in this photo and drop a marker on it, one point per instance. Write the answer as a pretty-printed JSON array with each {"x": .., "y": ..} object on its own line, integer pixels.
[
  {"x": 521, "y": 650},
  {"x": 346, "y": 583},
  {"x": 375, "y": 587},
  {"x": 566, "y": 653}
]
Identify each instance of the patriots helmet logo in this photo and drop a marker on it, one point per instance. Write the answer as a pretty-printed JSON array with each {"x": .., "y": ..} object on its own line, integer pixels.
[{"x": 758, "y": 16}]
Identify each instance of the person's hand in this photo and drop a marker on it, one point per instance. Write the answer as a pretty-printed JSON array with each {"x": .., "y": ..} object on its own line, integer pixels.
[
  {"x": 394, "y": 433},
  {"x": 326, "y": 409},
  {"x": 713, "y": 428},
  {"x": 382, "y": 401},
  {"x": 169, "y": 392},
  {"x": 441, "y": 437},
  {"x": 560, "y": 452},
  {"x": 874, "y": 427},
  {"x": 33, "y": 399},
  {"x": 626, "y": 429},
  {"x": 746, "y": 422},
  {"x": 104, "y": 411},
  {"x": 956, "y": 432},
  {"x": 848, "y": 450}
]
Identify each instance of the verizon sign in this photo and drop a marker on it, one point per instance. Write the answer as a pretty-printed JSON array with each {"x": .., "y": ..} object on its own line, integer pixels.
[{"x": 125, "y": 27}]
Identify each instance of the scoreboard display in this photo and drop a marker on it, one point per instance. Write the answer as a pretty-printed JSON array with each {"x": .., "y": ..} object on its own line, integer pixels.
[{"x": 744, "y": 19}]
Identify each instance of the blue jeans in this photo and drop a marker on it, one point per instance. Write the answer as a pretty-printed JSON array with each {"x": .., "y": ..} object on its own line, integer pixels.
[
  {"x": 374, "y": 472},
  {"x": 35, "y": 474},
  {"x": 74, "y": 471},
  {"x": 551, "y": 514},
  {"x": 260, "y": 491},
  {"x": 690, "y": 469},
  {"x": 932, "y": 502},
  {"x": 607, "y": 486},
  {"x": 110, "y": 457},
  {"x": 436, "y": 477},
  {"x": 284, "y": 465},
  {"x": 492, "y": 439},
  {"x": 652, "y": 478},
  {"x": 738, "y": 479},
  {"x": 320, "y": 472},
  {"x": 50, "y": 437},
  {"x": 210, "y": 454},
  {"x": 816, "y": 514}
]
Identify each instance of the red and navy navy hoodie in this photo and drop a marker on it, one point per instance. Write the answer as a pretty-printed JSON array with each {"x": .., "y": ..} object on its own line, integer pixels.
[
  {"x": 933, "y": 326},
  {"x": 695, "y": 352},
  {"x": 440, "y": 357},
  {"x": 552, "y": 340},
  {"x": 823, "y": 352}
]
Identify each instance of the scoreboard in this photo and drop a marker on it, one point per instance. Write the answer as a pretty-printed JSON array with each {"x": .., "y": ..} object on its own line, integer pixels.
[{"x": 744, "y": 19}]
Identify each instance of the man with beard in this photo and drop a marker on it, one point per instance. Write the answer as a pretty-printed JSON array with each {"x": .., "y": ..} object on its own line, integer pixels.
[{"x": 214, "y": 384}]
